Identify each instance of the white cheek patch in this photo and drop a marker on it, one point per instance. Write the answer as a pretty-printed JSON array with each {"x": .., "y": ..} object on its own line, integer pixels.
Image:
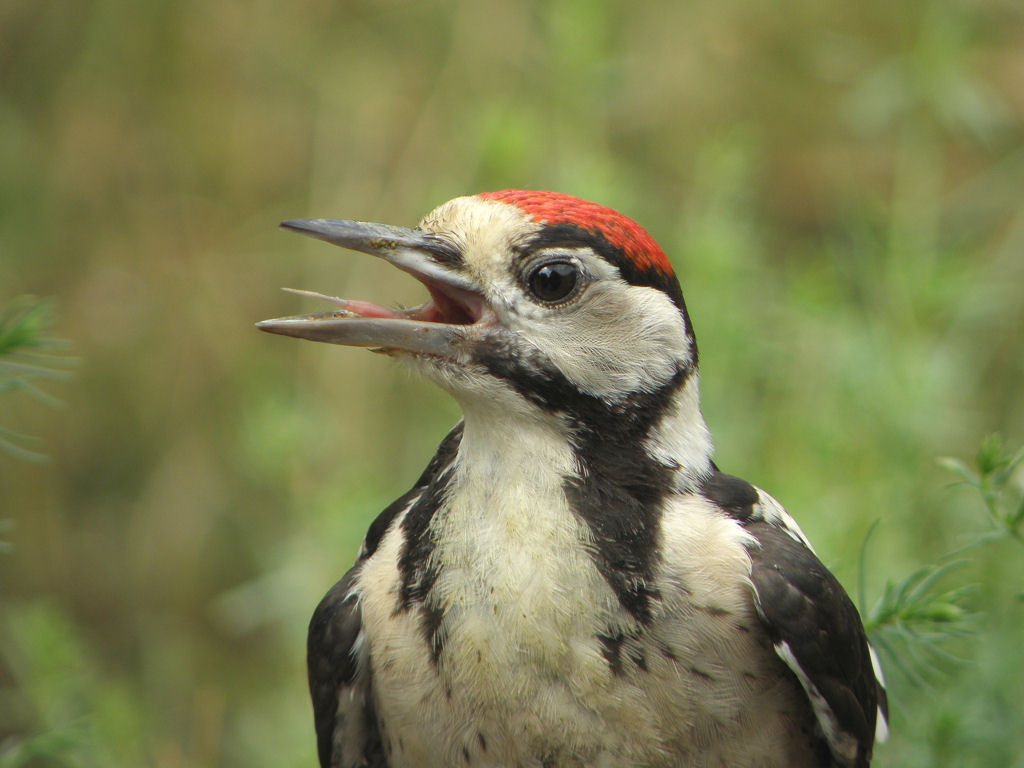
[{"x": 616, "y": 340}]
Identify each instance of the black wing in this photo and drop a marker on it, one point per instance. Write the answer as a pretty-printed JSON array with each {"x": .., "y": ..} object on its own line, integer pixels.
[
  {"x": 817, "y": 631},
  {"x": 813, "y": 625},
  {"x": 337, "y": 655},
  {"x": 339, "y": 682}
]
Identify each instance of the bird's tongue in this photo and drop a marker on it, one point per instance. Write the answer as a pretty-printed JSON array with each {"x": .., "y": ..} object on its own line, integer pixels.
[
  {"x": 369, "y": 309},
  {"x": 440, "y": 308}
]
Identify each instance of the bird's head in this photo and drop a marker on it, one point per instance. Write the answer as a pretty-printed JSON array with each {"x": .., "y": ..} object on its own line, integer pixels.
[{"x": 537, "y": 299}]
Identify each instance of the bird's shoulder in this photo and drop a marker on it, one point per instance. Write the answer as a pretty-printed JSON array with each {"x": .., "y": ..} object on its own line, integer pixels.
[
  {"x": 337, "y": 663},
  {"x": 813, "y": 625},
  {"x": 442, "y": 459},
  {"x": 336, "y": 653}
]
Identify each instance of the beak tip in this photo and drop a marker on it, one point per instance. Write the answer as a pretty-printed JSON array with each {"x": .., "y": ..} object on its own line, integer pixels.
[{"x": 268, "y": 326}]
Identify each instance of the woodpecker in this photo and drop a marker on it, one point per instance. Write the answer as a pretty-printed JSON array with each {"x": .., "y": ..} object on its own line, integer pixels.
[{"x": 572, "y": 581}]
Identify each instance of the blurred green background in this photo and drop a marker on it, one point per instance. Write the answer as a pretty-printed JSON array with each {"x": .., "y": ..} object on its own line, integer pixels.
[{"x": 839, "y": 185}]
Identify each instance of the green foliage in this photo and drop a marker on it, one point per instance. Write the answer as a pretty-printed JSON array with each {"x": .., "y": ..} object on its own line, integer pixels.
[
  {"x": 994, "y": 468},
  {"x": 76, "y": 716},
  {"x": 28, "y": 356},
  {"x": 916, "y": 618},
  {"x": 36, "y": 652},
  {"x": 918, "y": 615}
]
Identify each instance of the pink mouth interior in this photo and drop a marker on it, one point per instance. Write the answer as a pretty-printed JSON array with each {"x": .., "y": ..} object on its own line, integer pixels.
[{"x": 440, "y": 308}]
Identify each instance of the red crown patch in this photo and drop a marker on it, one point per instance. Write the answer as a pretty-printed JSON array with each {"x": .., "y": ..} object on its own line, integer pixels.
[{"x": 622, "y": 232}]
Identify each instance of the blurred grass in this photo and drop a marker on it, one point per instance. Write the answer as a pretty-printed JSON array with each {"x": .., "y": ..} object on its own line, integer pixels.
[{"x": 839, "y": 187}]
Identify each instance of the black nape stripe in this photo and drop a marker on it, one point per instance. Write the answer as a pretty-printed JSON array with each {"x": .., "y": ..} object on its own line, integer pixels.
[
  {"x": 442, "y": 459},
  {"x": 417, "y": 576},
  {"x": 620, "y": 487}
]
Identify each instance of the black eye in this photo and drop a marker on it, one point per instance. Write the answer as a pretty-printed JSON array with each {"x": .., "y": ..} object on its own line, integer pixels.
[{"x": 554, "y": 281}]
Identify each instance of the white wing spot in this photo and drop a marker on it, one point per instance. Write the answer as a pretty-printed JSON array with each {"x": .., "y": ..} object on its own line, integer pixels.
[
  {"x": 773, "y": 513},
  {"x": 881, "y": 724},
  {"x": 843, "y": 744}
]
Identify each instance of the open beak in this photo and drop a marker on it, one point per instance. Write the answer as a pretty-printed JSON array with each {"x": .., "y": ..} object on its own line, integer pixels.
[{"x": 433, "y": 328}]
